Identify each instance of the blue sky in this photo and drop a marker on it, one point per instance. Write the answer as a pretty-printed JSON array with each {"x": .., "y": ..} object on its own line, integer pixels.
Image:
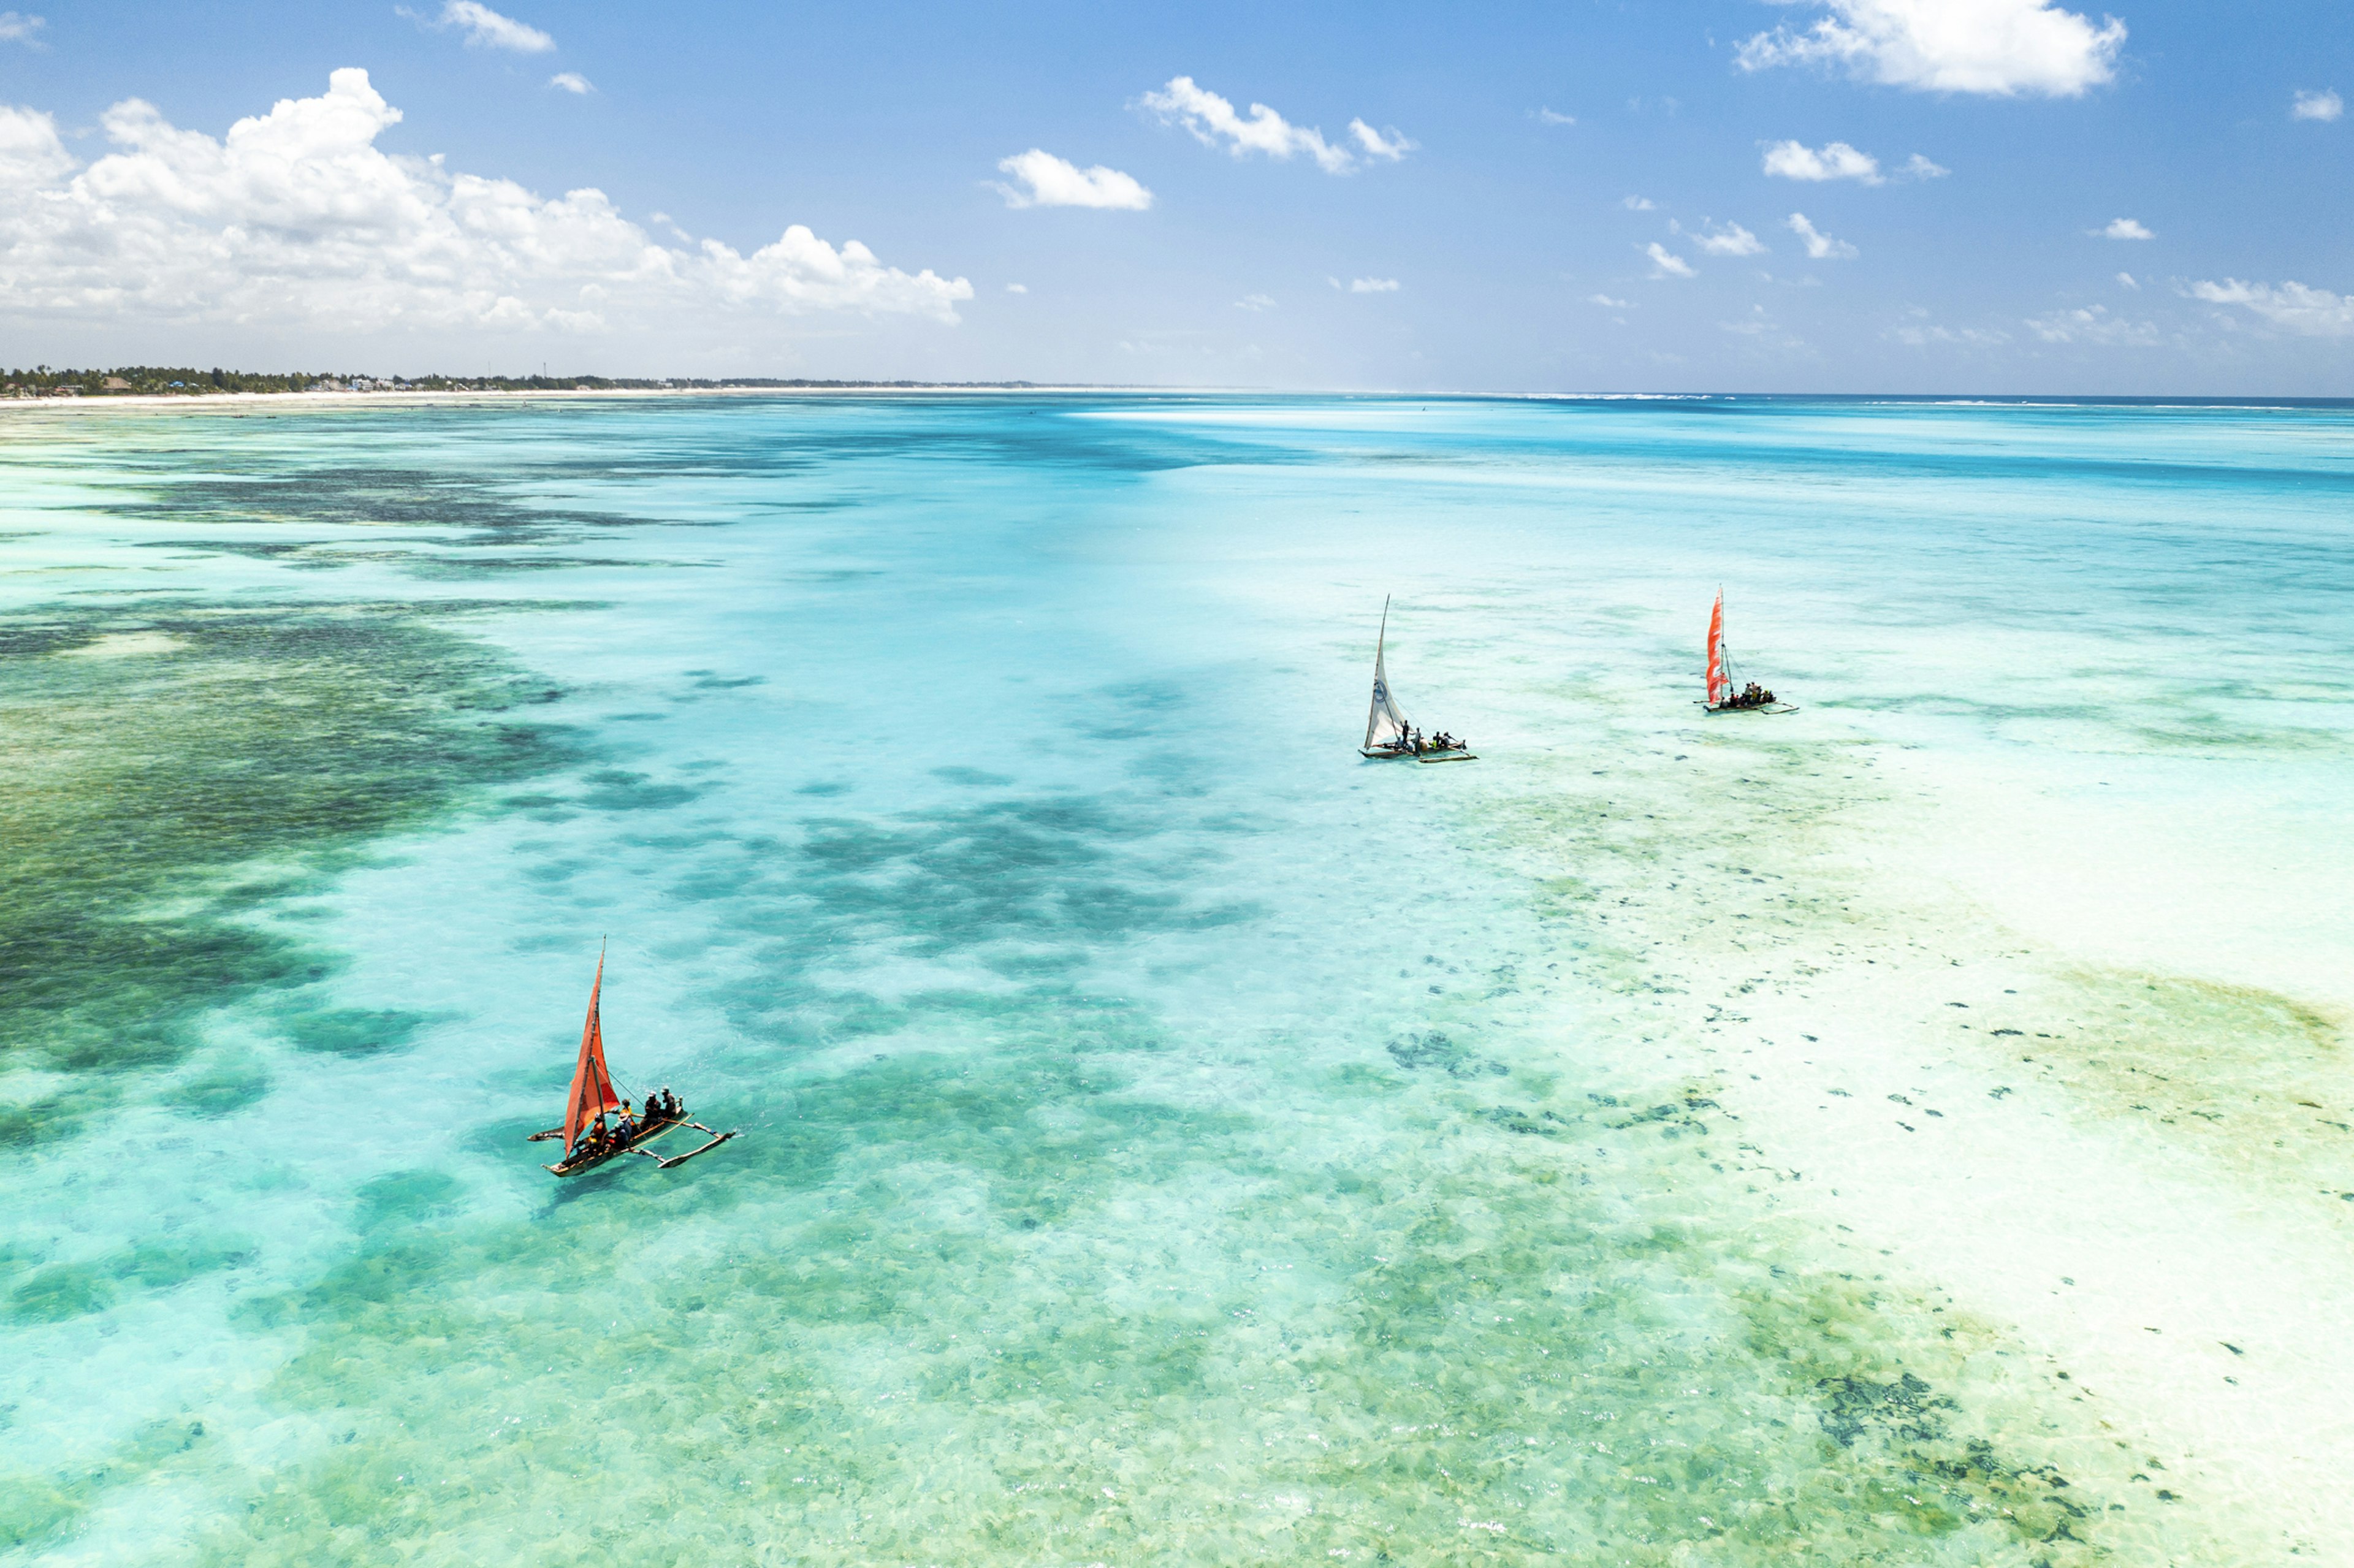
[{"x": 1998, "y": 195}]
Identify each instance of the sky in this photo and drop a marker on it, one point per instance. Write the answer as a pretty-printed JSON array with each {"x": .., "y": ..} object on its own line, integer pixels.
[{"x": 1797, "y": 196}]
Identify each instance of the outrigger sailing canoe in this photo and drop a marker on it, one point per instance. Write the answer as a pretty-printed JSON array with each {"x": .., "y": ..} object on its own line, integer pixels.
[
  {"x": 1387, "y": 734},
  {"x": 1722, "y": 697},
  {"x": 587, "y": 1142}
]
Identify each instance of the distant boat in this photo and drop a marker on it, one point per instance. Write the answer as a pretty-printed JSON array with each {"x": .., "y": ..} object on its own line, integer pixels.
[
  {"x": 587, "y": 1142},
  {"x": 1722, "y": 697},
  {"x": 1388, "y": 736}
]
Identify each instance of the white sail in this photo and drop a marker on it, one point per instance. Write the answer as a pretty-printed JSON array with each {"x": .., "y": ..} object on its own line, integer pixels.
[{"x": 1383, "y": 722}]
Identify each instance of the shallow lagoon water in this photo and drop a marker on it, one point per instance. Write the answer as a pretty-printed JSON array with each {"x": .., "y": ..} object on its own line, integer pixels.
[{"x": 1911, "y": 1129}]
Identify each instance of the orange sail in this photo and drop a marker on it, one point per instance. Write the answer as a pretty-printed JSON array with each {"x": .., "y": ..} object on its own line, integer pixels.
[
  {"x": 1720, "y": 685},
  {"x": 592, "y": 1086}
]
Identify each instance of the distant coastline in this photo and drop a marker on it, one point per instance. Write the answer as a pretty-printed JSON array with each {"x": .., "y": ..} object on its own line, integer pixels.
[{"x": 151, "y": 384}]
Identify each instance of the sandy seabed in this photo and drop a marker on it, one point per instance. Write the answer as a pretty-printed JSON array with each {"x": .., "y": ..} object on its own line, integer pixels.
[{"x": 1914, "y": 1128}]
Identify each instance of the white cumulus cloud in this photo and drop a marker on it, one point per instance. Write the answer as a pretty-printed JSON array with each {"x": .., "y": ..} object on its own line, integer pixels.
[
  {"x": 1639, "y": 204},
  {"x": 1837, "y": 161},
  {"x": 1017, "y": 288},
  {"x": 1389, "y": 148},
  {"x": 1213, "y": 119},
  {"x": 486, "y": 29},
  {"x": 296, "y": 219},
  {"x": 1608, "y": 302},
  {"x": 571, "y": 81},
  {"x": 1666, "y": 263},
  {"x": 1547, "y": 117},
  {"x": 1820, "y": 246},
  {"x": 30, "y": 154},
  {"x": 1732, "y": 239},
  {"x": 2124, "y": 228},
  {"x": 1049, "y": 180},
  {"x": 1999, "y": 47},
  {"x": 1918, "y": 167},
  {"x": 2093, "y": 324},
  {"x": 2310, "y": 312},
  {"x": 1373, "y": 286},
  {"x": 2128, "y": 280},
  {"x": 16, "y": 27},
  {"x": 2324, "y": 105},
  {"x": 1915, "y": 336},
  {"x": 1256, "y": 302}
]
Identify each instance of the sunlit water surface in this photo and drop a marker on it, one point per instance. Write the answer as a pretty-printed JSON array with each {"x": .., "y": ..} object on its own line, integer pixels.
[{"x": 1913, "y": 1129}]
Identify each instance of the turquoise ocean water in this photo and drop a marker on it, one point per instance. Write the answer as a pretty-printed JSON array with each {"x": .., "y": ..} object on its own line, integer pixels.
[{"x": 1914, "y": 1130}]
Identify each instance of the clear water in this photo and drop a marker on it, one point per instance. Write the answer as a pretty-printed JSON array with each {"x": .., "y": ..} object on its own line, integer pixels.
[{"x": 1913, "y": 1129}]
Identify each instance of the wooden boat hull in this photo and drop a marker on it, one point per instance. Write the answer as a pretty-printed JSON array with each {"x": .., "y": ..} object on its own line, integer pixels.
[
  {"x": 1757, "y": 708},
  {"x": 1455, "y": 755},
  {"x": 646, "y": 1134},
  {"x": 1447, "y": 756}
]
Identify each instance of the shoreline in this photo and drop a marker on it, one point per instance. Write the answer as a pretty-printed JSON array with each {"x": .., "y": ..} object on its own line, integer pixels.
[{"x": 486, "y": 395}]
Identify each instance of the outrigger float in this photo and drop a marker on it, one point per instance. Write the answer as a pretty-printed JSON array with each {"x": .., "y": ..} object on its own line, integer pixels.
[
  {"x": 1388, "y": 737},
  {"x": 1722, "y": 697},
  {"x": 587, "y": 1142}
]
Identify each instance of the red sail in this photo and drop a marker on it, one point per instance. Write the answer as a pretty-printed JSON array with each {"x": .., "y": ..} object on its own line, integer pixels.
[
  {"x": 592, "y": 1086},
  {"x": 1718, "y": 686}
]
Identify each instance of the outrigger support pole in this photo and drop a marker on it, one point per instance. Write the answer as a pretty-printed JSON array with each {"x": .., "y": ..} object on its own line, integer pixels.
[{"x": 716, "y": 1140}]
